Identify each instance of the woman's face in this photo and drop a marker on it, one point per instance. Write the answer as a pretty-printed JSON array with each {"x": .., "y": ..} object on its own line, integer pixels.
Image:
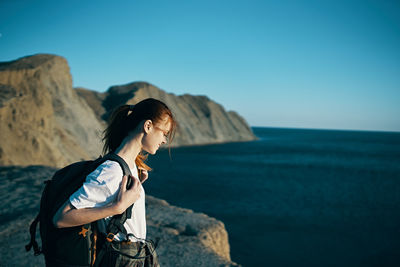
[{"x": 156, "y": 135}]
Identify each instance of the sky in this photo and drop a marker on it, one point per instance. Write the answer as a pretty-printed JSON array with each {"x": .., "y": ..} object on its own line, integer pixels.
[{"x": 298, "y": 64}]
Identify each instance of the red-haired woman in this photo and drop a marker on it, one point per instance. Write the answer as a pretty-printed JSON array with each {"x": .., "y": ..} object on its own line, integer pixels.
[{"x": 132, "y": 130}]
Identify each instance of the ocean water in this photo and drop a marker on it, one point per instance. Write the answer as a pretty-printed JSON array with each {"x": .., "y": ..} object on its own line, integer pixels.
[{"x": 294, "y": 197}]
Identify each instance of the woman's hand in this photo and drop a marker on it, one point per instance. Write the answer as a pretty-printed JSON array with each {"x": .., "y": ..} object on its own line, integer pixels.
[
  {"x": 126, "y": 197},
  {"x": 143, "y": 175}
]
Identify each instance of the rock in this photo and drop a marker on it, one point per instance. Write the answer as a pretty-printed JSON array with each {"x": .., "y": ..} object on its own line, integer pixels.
[
  {"x": 45, "y": 121},
  {"x": 185, "y": 238},
  {"x": 201, "y": 120},
  {"x": 42, "y": 118},
  {"x": 95, "y": 101}
]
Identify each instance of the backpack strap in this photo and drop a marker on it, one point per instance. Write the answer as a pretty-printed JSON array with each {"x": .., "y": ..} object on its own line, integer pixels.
[
  {"x": 116, "y": 224},
  {"x": 114, "y": 157},
  {"x": 126, "y": 171},
  {"x": 33, "y": 243}
]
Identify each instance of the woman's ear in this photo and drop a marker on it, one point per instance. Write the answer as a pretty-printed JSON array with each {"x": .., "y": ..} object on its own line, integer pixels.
[{"x": 147, "y": 125}]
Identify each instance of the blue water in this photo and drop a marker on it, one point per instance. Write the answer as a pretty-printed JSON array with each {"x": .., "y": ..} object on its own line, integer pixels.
[{"x": 294, "y": 197}]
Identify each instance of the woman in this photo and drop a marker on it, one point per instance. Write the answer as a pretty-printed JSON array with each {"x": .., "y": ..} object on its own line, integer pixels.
[{"x": 132, "y": 129}]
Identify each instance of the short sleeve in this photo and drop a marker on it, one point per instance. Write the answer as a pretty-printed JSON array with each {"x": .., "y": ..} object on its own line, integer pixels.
[{"x": 100, "y": 187}]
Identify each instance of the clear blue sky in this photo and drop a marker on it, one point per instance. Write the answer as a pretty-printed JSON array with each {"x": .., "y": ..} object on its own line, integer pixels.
[{"x": 309, "y": 64}]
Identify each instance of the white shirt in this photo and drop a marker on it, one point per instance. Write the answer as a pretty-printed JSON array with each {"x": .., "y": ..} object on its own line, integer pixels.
[{"x": 101, "y": 189}]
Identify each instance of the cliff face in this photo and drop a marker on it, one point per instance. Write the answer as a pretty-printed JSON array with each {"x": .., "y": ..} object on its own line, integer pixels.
[
  {"x": 43, "y": 120},
  {"x": 185, "y": 238},
  {"x": 201, "y": 120}
]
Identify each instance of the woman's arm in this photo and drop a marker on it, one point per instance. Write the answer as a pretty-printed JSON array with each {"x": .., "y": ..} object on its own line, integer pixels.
[{"x": 68, "y": 215}]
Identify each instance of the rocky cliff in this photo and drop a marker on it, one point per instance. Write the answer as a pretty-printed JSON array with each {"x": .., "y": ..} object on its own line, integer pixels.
[
  {"x": 45, "y": 121},
  {"x": 201, "y": 120},
  {"x": 42, "y": 119}
]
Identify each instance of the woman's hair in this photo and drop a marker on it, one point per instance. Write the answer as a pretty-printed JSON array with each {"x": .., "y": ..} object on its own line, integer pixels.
[{"x": 126, "y": 118}]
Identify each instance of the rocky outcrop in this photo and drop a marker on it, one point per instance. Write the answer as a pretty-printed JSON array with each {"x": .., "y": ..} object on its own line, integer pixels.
[
  {"x": 201, "y": 120},
  {"x": 193, "y": 236},
  {"x": 42, "y": 119},
  {"x": 185, "y": 238}
]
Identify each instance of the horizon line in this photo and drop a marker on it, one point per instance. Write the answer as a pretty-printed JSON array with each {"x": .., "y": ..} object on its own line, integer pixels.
[{"x": 325, "y": 129}]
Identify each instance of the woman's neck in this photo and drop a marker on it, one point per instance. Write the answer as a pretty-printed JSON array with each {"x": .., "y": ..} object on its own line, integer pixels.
[{"x": 129, "y": 150}]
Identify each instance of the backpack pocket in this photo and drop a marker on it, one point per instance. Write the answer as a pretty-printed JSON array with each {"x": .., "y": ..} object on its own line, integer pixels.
[{"x": 72, "y": 246}]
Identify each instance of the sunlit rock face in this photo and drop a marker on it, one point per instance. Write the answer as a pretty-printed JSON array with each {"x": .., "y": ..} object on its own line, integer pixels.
[
  {"x": 43, "y": 120},
  {"x": 201, "y": 120}
]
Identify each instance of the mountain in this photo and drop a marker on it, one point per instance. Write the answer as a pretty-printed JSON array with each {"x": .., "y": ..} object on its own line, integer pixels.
[
  {"x": 201, "y": 120},
  {"x": 43, "y": 120}
]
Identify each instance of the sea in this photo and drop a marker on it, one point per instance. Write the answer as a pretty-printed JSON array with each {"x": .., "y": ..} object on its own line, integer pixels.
[{"x": 294, "y": 197}]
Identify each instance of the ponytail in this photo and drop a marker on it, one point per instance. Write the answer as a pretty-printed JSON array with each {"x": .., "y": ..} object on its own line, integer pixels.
[{"x": 115, "y": 132}]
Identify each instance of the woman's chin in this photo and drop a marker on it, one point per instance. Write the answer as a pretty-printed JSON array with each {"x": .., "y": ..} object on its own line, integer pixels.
[{"x": 151, "y": 152}]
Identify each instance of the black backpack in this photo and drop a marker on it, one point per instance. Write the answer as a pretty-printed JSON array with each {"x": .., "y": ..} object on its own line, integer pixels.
[{"x": 72, "y": 245}]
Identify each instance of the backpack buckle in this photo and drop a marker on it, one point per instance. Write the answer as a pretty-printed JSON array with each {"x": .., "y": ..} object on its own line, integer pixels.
[{"x": 110, "y": 237}]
